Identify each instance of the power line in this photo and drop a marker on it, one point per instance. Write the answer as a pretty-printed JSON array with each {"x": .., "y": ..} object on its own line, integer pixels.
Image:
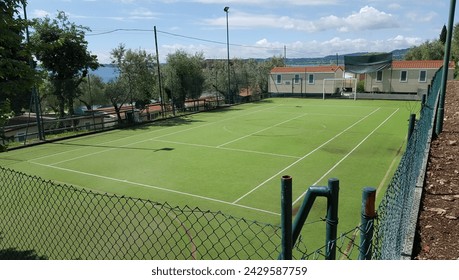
[
  {"x": 181, "y": 36},
  {"x": 119, "y": 29}
]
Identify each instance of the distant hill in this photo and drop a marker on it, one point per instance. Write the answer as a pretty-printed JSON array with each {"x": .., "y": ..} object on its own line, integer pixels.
[
  {"x": 109, "y": 71},
  {"x": 333, "y": 59}
]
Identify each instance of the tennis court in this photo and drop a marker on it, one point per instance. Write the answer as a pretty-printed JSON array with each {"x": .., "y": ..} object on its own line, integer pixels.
[{"x": 231, "y": 160}]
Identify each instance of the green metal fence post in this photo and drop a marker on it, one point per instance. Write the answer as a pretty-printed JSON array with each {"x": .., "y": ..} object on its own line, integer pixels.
[
  {"x": 331, "y": 193},
  {"x": 449, "y": 34},
  {"x": 311, "y": 194},
  {"x": 368, "y": 215},
  {"x": 286, "y": 218},
  {"x": 411, "y": 124},
  {"x": 332, "y": 218}
]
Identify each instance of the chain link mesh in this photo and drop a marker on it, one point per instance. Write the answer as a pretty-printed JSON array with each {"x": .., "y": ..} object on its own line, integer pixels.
[
  {"x": 64, "y": 222},
  {"x": 44, "y": 220},
  {"x": 394, "y": 210}
]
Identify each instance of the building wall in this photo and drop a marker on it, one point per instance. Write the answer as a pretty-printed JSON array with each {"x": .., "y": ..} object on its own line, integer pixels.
[
  {"x": 302, "y": 85},
  {"x": 391, "y": 81}
]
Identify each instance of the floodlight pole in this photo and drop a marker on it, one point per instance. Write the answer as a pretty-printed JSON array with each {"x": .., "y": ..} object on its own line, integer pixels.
[
  {"x": 226, "y": 9},
  {"x": 159, "y": 75},
  {"x": 35, "y": 98},
  {"x": 441, "y": 105}
]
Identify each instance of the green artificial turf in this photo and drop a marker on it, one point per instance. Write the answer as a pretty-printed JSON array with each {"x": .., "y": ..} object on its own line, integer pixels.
[{"x": 232, "y": 160}]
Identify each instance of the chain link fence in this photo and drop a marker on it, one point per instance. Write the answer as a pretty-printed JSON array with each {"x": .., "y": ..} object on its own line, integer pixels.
[
  {"x": 44, "y": 220},
  {"x": 395, "y": 210},
  {"x": 63, "y": 222},
  {"x": 41, "y": 219}
]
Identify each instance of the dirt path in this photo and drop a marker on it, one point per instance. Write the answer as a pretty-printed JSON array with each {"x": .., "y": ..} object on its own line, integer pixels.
[{"x": 437, "y": 236}]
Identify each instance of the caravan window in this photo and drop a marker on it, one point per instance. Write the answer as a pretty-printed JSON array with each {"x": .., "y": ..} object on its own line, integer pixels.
[
  {"x": 297, "y": 79},
  {"x": 279, "y": 79},
  {"x": 379, "y": 76},
  {"x": 403, "y": 76},
  {"x": 423, "y": 76}
]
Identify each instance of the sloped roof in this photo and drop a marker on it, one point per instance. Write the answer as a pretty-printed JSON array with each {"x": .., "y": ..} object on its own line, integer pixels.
[
  {"x": 307, "y": 69},
  {"x": 419, "y": 64}
]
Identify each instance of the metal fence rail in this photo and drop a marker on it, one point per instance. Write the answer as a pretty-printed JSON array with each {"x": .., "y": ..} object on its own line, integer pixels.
[
  {"x": 63, "y": 222},
  {"x": 43, "y": 219},
  {"x": 394, "y": 211}
]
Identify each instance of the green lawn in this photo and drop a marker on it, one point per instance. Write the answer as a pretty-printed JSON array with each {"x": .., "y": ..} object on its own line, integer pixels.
[{"x": 232, "y": 160}]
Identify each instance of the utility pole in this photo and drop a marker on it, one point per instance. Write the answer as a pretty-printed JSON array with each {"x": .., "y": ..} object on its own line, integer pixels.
[
  {"x": 159, "y": 75},
  {"x": 441, "y": 103},
  {"x": 35, "y": 97},
  {"x": 226, "y": 9}
]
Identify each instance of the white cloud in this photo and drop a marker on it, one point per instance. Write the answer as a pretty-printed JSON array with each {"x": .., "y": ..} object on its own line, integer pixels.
[
  {"x": 368, "y": 18},
  {"x": 40, "y": 13},
  {"x": 394, "y": 6},
  {"x": 141, "y": 13},
  {"x": 423, "y": 17},
  {"x": 264, "y": 48},
  {"x": 270, "y": 2},
  {"x": 400, "y": 41},
  {"x": 336, "y": 45}
]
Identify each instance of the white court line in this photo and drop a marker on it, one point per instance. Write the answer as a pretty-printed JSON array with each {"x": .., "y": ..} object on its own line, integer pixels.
[
  {"x": 264, "y": 129},
  {"x": 102, "y": 143},
  {"x": 157, "y": 188},
  {"x": 305, "y": 156},
  {"x": 228, "y": 149},
  {"x": 142, "y": 141},
  {"x": 348, "y": 154}
]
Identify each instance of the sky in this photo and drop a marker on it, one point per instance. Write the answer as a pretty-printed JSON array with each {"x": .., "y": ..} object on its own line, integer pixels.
[{"x": 257, "y": 28}]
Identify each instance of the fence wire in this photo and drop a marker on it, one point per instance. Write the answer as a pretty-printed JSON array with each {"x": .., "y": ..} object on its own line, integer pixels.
[
  {"x": 63, "y": 222},
  {"x": 41, "y": 219},
  {"x": 394, "y": 210}
]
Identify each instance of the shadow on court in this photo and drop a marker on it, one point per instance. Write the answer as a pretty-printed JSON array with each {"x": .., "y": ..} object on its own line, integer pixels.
[
  {"x": 15, "y": 254},
  {"x": 177, "y": 121},
  {"x": 166, "y": 149}
]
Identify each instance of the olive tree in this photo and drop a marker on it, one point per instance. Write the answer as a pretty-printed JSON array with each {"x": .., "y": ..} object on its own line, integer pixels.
[
  {"x": 62, "y": 50},
  {"x": 184, "y": 77},
  {"x": 136, "y": 82},
  {"x": 16, "y": 75}
]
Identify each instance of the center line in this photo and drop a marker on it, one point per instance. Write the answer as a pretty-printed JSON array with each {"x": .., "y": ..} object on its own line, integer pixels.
[
  {"x": 264, "y": 129},
  {"x": 348, "y": 154},
  {"x": 157, "y": 188},
  {"x": 305, "y": 156}
]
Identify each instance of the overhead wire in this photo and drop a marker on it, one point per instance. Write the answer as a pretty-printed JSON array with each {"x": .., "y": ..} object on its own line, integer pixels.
[{"x": 181, "y": 36}]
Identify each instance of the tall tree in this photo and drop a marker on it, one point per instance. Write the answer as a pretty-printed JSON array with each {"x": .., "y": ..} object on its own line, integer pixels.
[
  {"x": 136, "y": 82},
  {"x": 429, "y": 50},
  {"x": 264, "y": 70},
  {"x": 184, "y": 77},
  {"x": 61, "y": 48},
  {"x": 115, "y": 91},
  {"x": 443, "y": 34},
  {"x": 16, "y": 75},
  {"x": 455, "y": 43},
  {"x": 245, "y": 74},
  {"x": 5, "y": 114},
  {"x": 216, "y": 77},
  {"x": 92, "y": 92}
]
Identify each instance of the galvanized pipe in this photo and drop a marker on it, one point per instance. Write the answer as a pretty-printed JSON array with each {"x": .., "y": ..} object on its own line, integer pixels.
[
  {"x": 286, "y": 218},
  {"x": 368, "y": 215}
]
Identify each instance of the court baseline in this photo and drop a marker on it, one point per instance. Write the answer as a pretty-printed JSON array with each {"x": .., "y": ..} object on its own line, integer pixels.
[
  {"x": 305, "y": 156},
  {"x": 348, "y": 154},
  {"x": 142, "y": 141},
  {"x": 155, "y": 187}
]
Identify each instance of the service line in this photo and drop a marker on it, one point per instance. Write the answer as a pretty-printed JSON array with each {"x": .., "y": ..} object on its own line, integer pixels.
[
  {"x": 348, "y": 154},
  {"x": 305, "y": 156}
]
